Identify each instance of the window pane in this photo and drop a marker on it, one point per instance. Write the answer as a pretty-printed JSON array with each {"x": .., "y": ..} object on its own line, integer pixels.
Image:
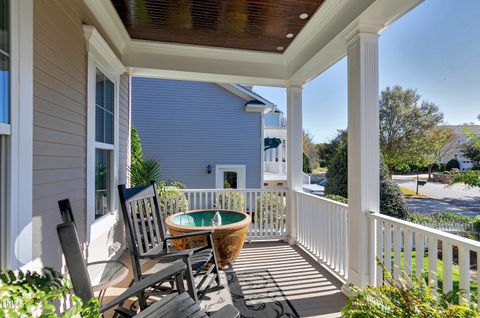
[
  {"x": 4, "y": 63},
  {"x": 108, "y": 128},
  {"x": 104, "y": 100},
  {"x": 109, "y": 91},
  {"x": 99, "y": 124},
  {"x": 230, "y": 180},
  {"x": 102, "y": 182}
]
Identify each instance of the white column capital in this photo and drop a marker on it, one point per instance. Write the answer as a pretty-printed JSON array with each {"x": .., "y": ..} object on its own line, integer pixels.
[
  {"x": 294, "y": 88},
  {"x": 364, "y": 30}
]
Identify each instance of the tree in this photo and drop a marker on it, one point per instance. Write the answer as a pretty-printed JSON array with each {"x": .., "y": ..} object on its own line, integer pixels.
[
  {"x": 326, "y": 151},
  {"x": 307, "y": 165},
  {"x": 309, "y": 146},
  {"x": 392, "y": 202},
  {"x": 136, "y": 152},
  {"x": 404, "y": 124},
  {"x": 434, "y": 145},
  {"x": 471, "y": 149}
]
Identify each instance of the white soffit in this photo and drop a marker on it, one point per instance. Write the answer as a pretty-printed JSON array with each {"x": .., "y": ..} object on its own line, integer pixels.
[{"x": 320, "y": 44}]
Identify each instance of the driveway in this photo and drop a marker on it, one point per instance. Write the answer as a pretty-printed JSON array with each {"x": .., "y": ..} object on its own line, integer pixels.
[{"x": 442, "y": 197}]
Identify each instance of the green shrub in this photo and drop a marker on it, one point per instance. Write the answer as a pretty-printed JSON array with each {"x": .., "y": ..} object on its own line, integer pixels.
[
  {"x": 337, "y": 173},
  {"x": 470, "y": 177},
  {"x": 476, "y": 168},
  {"x": 231, "y": 200},
  {"x": 438, "y": 218},
  {"x": 392, "y": 202},
  {"x": 144, "y": 171},
  {"x": 452, "y": 164},
  {"x": 172, "y": 200},
  {"x": 27, "y": 294},
  {"x": 270, "y": 205},
  {"x": 337, "y": 198},
  {"x": 407, "y": 297},
  {"x": 403, "y": 168}
]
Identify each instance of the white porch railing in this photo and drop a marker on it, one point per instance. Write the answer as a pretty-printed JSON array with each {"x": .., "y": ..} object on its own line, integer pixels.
[
  {"x": 322, "y": 230},
  {"x": 407, "y": 243},
  {"x": 267, "y": 207}
]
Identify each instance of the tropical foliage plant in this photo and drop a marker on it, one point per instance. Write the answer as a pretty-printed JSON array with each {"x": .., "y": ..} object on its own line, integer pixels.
[
  {"x": 406, "y": 297},
  {"x": 32, "y": 294}
]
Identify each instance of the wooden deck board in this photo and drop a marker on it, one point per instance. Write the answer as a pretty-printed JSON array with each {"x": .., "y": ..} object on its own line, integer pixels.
[{"x": 309, "y": 288}]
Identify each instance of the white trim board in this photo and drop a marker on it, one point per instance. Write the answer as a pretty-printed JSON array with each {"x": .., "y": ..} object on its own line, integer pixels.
[
  {"x": 102, "y": 57},
  {"x": 240, "y": 169},
  {"x": 19, "y": 183}
]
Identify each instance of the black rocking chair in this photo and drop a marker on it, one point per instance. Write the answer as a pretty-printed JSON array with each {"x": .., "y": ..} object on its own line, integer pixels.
[
  {"x": 178, "y": 305},
  {"x": 147, "y": 239}
]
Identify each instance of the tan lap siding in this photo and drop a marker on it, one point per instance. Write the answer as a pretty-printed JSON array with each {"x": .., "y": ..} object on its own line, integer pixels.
[{"x": 60, "y": 120}]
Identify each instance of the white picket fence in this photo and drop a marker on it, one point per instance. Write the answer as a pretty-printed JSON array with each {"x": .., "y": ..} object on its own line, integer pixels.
[
  {"x": 397, "y": 241},
  {"x": 322, "y": 230},
  {"x": 267, "y": 207}
]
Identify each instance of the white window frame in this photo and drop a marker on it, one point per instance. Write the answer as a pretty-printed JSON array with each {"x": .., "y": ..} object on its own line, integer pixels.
[
  {"x": 240, "y": 169},
  {"x": 102, "y": 57},
  {"x": 16, "y": 232}
]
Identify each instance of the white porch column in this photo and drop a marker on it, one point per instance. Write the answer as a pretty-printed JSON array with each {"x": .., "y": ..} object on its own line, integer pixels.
[
  {"x": 363, "y": 153},
  {"x": 294, "y": 156}
]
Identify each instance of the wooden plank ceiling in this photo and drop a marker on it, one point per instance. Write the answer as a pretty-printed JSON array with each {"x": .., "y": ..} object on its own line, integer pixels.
[{"x": 259, "y": 25}]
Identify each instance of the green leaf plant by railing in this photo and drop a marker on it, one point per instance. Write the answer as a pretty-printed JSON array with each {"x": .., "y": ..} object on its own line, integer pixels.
[
  {"x": 31, "y": 294},
  {"x": 406, "y": 297}
]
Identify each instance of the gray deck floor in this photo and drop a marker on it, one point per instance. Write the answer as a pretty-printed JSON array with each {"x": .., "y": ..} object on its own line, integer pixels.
[{"x": 295, "y": 280}]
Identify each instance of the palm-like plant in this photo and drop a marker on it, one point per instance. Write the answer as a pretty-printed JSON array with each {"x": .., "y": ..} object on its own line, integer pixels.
[{"x": 143, "y": 171}]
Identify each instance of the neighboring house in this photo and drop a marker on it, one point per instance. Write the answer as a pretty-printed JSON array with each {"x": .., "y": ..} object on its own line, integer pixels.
[
  {"x": 454, "y": 149},
  {"x": 204, "y": 135},
  {"x": 275, "y": 172}
]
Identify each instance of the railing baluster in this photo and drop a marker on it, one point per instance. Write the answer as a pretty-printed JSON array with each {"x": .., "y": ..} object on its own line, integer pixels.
[
  {"x": 464, "y": 272},
  {"x": 419, "y": 253},
  {"x": 447, "y": 260},
  {"x": 407, "y": 252},
  {"x": 432, "y": 263},
  {"x": 397, "y": 250},
  {"x": 387, "y": 257}
]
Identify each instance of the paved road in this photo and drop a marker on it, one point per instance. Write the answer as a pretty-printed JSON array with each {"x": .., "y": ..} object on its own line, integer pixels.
[{"x": 455, "y": 198}]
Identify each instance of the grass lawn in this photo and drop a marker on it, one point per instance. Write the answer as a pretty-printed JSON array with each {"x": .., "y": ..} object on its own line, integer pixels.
[
  {"x": 410, "y": 193},
  {"x": 455, "y": 273}
]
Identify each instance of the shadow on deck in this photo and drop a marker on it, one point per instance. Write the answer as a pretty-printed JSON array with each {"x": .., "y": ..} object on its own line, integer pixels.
[{"x": 273, "y": 279}]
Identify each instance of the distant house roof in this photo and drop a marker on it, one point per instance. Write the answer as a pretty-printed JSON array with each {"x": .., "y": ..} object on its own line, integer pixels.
[
  {"x": 254, "y": 102},
  {"x": 460, "y": 129}
]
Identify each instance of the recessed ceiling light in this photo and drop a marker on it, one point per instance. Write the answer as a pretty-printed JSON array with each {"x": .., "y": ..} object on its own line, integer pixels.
[
  {"x": 280, "y": 48},
  {"x": 290, "y": 35},
  {"x": 303, "y": 16}
]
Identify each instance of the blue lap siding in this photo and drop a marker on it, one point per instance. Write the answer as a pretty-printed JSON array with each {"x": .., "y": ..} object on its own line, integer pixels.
[{"x": 188, "y": 125}]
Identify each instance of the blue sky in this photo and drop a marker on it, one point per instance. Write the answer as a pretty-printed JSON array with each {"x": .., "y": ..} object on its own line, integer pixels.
[{"x": 435, "y": 49}]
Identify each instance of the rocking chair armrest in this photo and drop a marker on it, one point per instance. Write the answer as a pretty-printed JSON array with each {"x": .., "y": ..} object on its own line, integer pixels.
[
  {"x": 198, "y": 233},
  {"x": 172, "y": 256},
  {"x": 173, "y": 269}
]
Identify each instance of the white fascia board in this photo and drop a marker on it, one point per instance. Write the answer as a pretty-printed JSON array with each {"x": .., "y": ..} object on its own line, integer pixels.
[
  {"x": 257, "y": 108},
  {"x": 187, "y": 62},
  {"x": 373, "y": 19},
  {"x": 97, "y": 45},
  {"x": 106, "y": 14},
  {"x": 248, "y": 95}
]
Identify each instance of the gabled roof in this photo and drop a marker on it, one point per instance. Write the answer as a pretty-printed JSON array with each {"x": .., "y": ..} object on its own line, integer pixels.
[
  {"x": 254, "y": 102},
  {"x": 460, "y": 129}
]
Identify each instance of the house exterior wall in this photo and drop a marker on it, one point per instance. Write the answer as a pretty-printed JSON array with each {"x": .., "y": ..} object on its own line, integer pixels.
[
  {"x": 60, "y": 124},
  {"x": 187, "y": 126},
  {"x": 454, "y": 150}
]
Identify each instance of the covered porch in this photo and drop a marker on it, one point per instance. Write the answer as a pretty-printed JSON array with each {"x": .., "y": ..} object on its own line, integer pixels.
[{"x": 307, "y": 247}]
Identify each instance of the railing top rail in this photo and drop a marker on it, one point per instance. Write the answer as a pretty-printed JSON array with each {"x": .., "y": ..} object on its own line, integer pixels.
[
  {"x": 321, "y": 199},
  {"x": 454, "y": 239},
  {"x": 235, "y": 190}
]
